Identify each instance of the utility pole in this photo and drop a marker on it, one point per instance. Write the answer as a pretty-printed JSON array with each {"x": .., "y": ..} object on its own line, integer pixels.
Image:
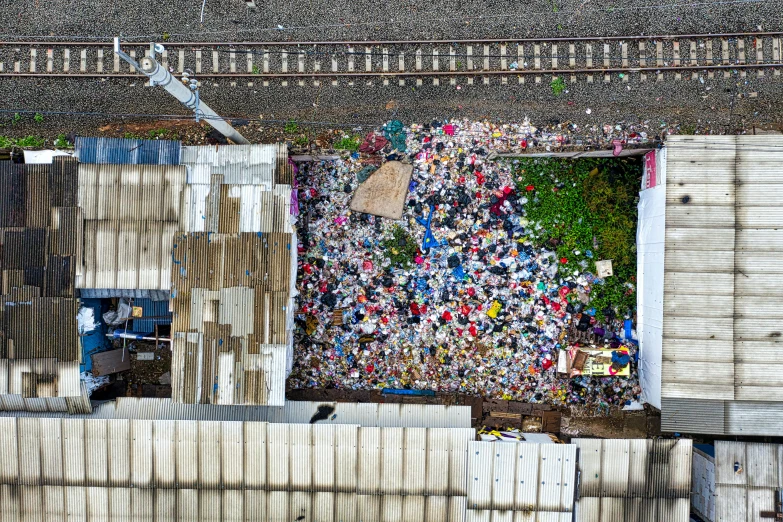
[{"x": 189, "y": 96}]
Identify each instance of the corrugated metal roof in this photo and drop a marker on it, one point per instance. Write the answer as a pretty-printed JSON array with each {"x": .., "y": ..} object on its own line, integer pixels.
[
  {"x": 107, "y": 293},
  {"x": 227, "y": 208},
  {"x": 722, "y": 303},
  {"x": 238, "y": 164},
  {"x": 128, "y": 151},
  {"x": 222, "y": 354},
  {"x": 40, "y": 233},
  {"x": 520, "y": 477},
  {"x": 306, "y": 471},
  {"x": 377, "y": 415},
  {"x": 634, "y": 480},
  {"x": 134, "y": 504},
  {"x": 131, "y": 214},
  {"x": 746, "y": 477}
]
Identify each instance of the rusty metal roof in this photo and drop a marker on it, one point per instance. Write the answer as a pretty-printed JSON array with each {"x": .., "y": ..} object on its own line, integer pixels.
[
  {"x": 232, "y": 307},
  {"x": 39, "y": 227},
  {"x": 40, "y": 245}
]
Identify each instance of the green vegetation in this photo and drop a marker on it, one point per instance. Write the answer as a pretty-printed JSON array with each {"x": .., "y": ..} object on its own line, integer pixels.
[
  {"x": 62, "y": 142},
  {"x": 348, "y": 142},
  {"x": 256, "y": 70},
  {"x": 302, "y": 141},
  {"x": 33, "y": 142},
  {"x": 558, "y": 85},
  {"x": 133, "y": 136},
  {"x": 291, "y": 127},
  {"x": 688, "y": 130},
  {"x": 38, "y": 117},
  {"x": 585, "y": 211},
  {"x": 158, "y": 134},
  {"x": 400, "y": 248},
  {"x": 166, "y": 36},
  {"x": 16, "y": 118}
]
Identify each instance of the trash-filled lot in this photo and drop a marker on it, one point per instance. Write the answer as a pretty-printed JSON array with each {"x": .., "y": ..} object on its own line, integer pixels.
[{"x": 488, "y": 284}]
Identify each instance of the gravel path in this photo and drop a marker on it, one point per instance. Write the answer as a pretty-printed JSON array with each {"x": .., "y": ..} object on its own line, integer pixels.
[
  {"x": 370, "y": 19},
  {"x": 658, "y": 106}
]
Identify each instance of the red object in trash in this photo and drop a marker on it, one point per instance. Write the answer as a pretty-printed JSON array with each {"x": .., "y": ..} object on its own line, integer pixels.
[
  {"x": 471, "y": 291},
  {"x": 367, "y": 265},
  {"x": 415, "y": 309},
  {"x": 473, "y": 331},
  {"x": 547, "y": 364},
  {"x": 370, "y": 368},
  {"x": 373, "y": 143},
  {"x": 447, "y": 316},
  {"x": 480, "y": 179},
  {"x": 530, "y": 188},
  {"x": 563, "y": 260},
  {"x": 449, "y": 129}
]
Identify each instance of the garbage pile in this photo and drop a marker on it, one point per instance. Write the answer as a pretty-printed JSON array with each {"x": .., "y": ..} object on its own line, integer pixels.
[{"x": 453, "y": 297}]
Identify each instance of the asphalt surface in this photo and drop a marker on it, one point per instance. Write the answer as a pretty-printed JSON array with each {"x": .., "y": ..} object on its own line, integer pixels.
[{"x": 276, "y": 20}]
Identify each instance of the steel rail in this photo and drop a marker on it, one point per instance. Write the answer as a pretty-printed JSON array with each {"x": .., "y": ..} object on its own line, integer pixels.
[{"x": 411, "y": 74}]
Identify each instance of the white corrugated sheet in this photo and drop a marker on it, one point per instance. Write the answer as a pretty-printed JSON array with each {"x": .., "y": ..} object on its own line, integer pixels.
[
  {"x": 533, "y": 479},
  {"x": 238, "y": 164},
  {"x": 723, "y": 294},
  {"x": 379, "y": 415},
  {"x": 634, "y": 480},
  {"x": 204, "y": 470},
  {"x": 746, "y": 477},
  {"x": 131, "y": 213}
]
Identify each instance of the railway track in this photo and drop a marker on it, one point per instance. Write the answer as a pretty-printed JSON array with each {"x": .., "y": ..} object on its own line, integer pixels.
[{"x": 607, "y": 59}]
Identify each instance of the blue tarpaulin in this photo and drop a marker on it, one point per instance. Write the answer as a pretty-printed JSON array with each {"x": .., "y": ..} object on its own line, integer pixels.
[
  {"x": 395, "y": 391},
  {"x": 95, "y": 340}
]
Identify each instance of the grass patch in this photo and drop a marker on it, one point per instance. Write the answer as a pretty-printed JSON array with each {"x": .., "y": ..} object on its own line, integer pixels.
[
  {"x": 400, "y": 248},
  {"x": 32, "y": 142},
  {"x": 62, "y": 142},
  {"x": 349, "y": 142},
  {"x": 291, "y": 127},
  {"x": 585, "y": 211},
  {"x": 557, "y": 85}
]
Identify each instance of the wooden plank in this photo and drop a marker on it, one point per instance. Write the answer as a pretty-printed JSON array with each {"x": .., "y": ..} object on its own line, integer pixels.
[
  {"x": 505, "y": 415},
  {"x": 551, "y": 421},
  {"x": 113, "y": 361}
]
